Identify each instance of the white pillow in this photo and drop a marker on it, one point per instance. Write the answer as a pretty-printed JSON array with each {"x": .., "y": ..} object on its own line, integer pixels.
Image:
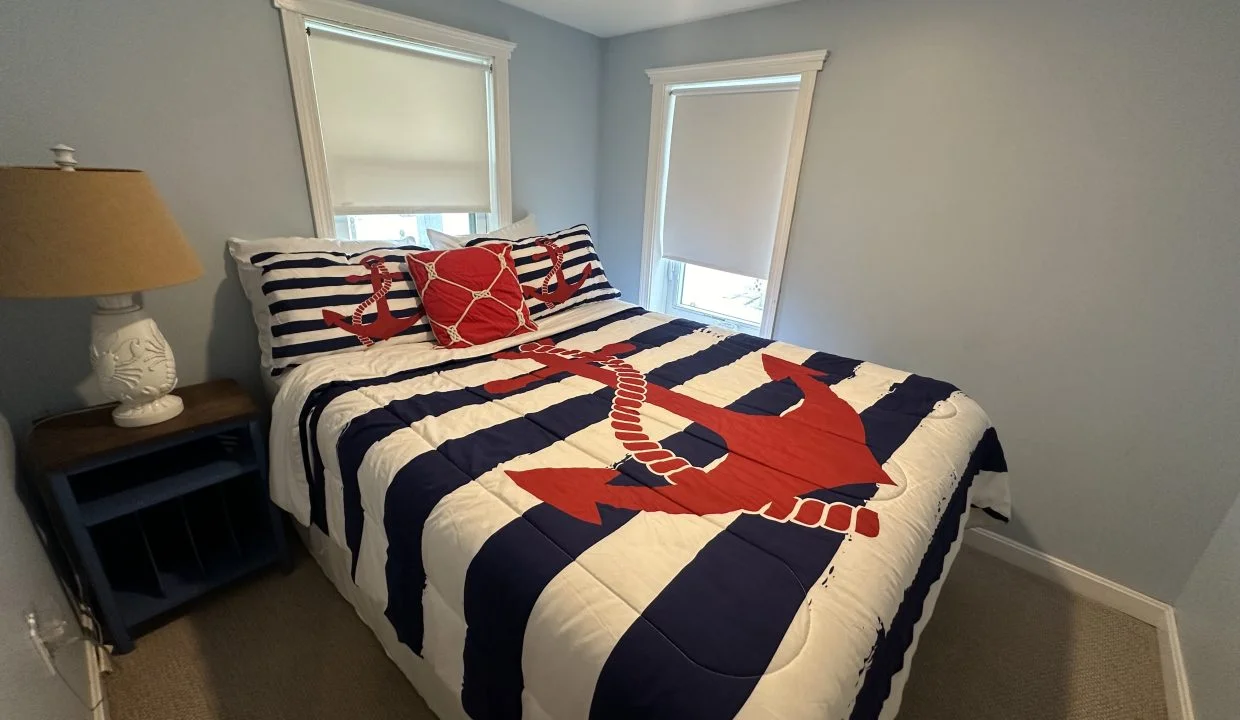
[{"x": 516, "y": 231}]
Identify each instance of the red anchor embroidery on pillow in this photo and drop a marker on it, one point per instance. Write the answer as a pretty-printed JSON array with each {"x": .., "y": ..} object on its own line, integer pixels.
[
  {"x": 563, "y": 290},
  {"x": 385, "y": 325}
]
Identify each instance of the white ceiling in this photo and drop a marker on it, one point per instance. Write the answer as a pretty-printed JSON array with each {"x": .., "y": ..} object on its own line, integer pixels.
[{"x": 608, "y": 18}]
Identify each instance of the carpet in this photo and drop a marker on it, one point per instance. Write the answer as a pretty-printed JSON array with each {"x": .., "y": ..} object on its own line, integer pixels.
[{"x": 1002, "y": 644}]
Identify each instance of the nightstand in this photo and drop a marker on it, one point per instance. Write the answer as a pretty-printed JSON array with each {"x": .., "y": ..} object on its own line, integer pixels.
[{"x": 153, "y": 517}]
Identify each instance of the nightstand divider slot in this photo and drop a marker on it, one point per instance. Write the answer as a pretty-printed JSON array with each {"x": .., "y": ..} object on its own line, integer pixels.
[
  {"x": 126, "y": 557},
  {"x": 150, "y": 554},
  {"x": 210, "y": 525},
  {"x": 176, "y": 559},
  {"x": 155, "y": 493},
  {"x": 193, "y": 543}
]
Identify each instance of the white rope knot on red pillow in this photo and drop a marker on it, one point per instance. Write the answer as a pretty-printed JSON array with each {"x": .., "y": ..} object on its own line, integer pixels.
[{"x": 471, "y": 295}]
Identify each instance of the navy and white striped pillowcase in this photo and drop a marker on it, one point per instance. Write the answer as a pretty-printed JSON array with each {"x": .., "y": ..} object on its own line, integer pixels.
[
  {"x": 299, "y": 286},
  {"x": 579, "y": 253}
]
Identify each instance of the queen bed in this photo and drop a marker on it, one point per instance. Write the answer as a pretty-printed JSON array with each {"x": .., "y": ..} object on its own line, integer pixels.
[{"x": 622, "y": 514}]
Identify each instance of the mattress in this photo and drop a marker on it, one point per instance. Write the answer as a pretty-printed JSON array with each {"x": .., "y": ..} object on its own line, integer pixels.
[{"x": 630, "y": 515}]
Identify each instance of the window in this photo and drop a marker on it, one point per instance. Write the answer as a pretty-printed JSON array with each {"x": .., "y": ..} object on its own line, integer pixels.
[
  {"x": 382, "y": 228},
  {"x": 725, "y": 156},
  {"x": 404, "y": 123},
  {"x": 717, "y": 294}
]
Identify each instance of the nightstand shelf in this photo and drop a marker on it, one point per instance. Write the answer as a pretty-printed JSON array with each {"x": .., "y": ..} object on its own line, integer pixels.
[
  {"x": 155, "y": 517},
  {"x": 129, "y": 501}
]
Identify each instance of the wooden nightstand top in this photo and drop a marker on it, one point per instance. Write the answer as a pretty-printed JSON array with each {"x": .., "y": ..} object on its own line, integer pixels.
[{"x": 62, "y": 442}]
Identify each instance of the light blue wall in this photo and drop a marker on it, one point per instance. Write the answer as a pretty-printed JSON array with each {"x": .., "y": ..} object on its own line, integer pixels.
[
  {"x": 1038, "y": 201},
  {"x": 198, "y": 94},
  {"x": 1208, "y": 615}
]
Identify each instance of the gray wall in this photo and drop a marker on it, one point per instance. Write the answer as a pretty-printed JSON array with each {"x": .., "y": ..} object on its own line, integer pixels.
[
  {"x": 1209, "y": 634},
  {"x": 198, "y": 94},
  {"x": 1038, "y": 201},
  {"x": 27, "y": 690}
]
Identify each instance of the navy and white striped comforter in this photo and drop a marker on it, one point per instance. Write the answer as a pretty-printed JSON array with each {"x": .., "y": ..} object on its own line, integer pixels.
[{"x": 552, "y": 533}]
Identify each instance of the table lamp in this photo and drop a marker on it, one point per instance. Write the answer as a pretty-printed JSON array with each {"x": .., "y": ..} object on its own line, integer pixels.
[{"x": 102, "y": 233}]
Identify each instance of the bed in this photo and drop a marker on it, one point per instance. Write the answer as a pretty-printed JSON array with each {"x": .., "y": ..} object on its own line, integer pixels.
[{"x": 629, "y": 515}]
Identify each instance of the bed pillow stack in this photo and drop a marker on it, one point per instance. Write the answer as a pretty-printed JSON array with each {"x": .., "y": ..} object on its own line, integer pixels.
[{"x": 312, "y": 297}]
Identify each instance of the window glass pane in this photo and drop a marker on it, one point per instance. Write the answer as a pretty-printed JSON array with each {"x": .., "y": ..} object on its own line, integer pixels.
[
  {"x": 402, "y": 228},
  {"x": 456, "y": 224},
  {"x": 722, "y": 293}
]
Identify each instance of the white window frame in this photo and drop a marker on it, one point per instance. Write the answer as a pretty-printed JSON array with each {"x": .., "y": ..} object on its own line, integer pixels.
[
  {"x": 665, "y": 81},
  {"x": 293, "y": 17}
]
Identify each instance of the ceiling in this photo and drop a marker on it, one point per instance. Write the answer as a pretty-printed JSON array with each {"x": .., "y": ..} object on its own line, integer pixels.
[{"x": 608, "y": 18}]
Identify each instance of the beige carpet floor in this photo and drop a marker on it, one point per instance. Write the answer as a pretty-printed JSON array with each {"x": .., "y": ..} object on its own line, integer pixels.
[{"x": 1002, "y": 644}]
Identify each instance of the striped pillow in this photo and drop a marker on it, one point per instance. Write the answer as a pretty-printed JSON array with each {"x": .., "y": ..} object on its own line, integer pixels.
[
  {"x": 323, "y": 302},
  {"x": 558, "y": 271}
]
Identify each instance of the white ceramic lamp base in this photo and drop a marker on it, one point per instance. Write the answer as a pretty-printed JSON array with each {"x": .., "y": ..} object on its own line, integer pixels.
[
  {"x": 133, "y": 363},
  {"x": 152, "y": 413}
]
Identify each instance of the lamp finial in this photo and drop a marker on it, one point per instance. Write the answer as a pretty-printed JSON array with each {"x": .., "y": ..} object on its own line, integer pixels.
[{"x": 64, "y": 157}]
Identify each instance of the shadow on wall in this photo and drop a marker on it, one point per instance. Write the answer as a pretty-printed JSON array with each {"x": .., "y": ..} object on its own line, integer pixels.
[
  {"x": 32, "y": 332},
  {"x": 232, "y": 345}
]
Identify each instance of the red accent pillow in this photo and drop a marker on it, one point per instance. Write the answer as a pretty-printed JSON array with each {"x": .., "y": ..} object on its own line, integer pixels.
[{"x": 471, "y": 295}]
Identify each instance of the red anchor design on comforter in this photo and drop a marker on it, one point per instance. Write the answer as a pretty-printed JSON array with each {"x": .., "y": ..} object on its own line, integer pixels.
[{"x": 772, "y": 460}]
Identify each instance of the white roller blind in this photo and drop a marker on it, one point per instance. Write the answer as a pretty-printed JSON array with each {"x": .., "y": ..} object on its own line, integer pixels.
[
  {"x": 403, "y": 131},
  {"x": 725, "y": 178}
]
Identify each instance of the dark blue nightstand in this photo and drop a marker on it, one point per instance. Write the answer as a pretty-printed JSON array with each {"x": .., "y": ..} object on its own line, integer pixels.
[{"x": 153, "y": 517}]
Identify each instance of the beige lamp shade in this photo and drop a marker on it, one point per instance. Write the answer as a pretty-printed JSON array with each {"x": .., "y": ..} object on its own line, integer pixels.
[{"x": 87, "y": 232}]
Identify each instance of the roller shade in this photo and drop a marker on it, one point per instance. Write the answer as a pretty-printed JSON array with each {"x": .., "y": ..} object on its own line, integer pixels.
[
  {"x": 725, "y": 177},
  {"x": 404, "y": 131}
]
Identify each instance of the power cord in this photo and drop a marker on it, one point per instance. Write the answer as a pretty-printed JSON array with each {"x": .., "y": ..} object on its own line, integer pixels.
[
  {"x": 51, "y": 641},
  {"x": 91, "y": 630},
  {"x": 68, "y": 413},
  {"x": 69, "y": 686}
]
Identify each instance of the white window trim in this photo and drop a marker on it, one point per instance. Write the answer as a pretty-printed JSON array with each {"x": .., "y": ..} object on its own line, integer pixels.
[
  {"x": 664, "y": 81},
  {"x": 293, "y": 16}
]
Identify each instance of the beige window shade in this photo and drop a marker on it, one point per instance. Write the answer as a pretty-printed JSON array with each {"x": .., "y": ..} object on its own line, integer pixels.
[
  {"x": 403, "y": 131},
  {"x": 725, "y": 177}
]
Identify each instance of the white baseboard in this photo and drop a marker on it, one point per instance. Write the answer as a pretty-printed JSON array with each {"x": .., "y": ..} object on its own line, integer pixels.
[
  {"x": 1179, "y": 696},
  {"x": 1094, "y": 587},
  {"x": 94, "y": 675}
]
